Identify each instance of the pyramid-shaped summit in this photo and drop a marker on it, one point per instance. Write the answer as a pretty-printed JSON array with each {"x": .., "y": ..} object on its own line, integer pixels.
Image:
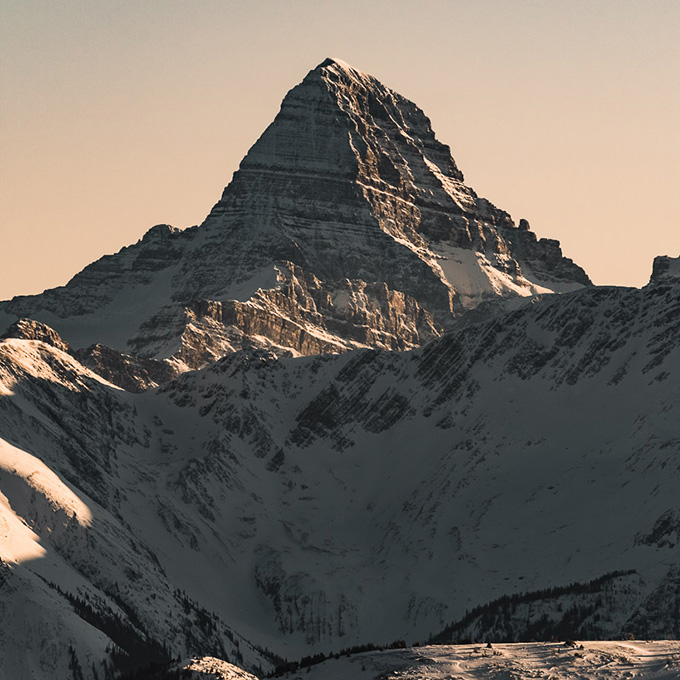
[{"x": 346, "y": 225}]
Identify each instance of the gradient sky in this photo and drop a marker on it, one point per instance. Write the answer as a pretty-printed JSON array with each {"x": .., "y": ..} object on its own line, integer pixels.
[{"x": 118, "y": 115}]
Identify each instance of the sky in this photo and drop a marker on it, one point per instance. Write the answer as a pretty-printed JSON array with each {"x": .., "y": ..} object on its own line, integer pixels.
[{"x": 116, "y": 115}]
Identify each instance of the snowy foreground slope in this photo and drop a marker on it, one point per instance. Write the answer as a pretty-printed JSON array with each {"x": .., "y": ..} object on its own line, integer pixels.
[
  {"x": 347, "y": 225},
  {"x": 303, "y": 505},
  {"x": 655, "y": 660},
  {"x": 645, "y": 660}
]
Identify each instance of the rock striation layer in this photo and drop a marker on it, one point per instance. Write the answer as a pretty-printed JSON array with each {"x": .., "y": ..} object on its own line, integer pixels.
[{"x": 347, "y": 225}]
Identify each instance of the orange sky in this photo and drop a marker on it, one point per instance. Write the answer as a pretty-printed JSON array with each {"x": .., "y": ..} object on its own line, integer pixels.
[{"x": 117, "y": 114}]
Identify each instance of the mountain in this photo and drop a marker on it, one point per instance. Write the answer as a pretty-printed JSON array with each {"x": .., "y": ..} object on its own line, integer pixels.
[
  {"x": 267, "y": 507},
  {"x": 209, "y": 446},
  {"x": 347, "y": 225}
]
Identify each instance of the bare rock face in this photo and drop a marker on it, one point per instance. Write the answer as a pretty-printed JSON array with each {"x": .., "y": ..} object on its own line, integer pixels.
[
  {"x": 347, "y": 225},
  {"x": 134, "y": 374},
  {"x": 27, "y": 329},
  {"x": 665, "y": 267}
]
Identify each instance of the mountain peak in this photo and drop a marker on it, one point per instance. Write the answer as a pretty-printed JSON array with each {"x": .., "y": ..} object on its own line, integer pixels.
[
  {"x": 340, "y": 71},
  {"x": 333, "y": 62},
  {"x": 348, "y": 224}
]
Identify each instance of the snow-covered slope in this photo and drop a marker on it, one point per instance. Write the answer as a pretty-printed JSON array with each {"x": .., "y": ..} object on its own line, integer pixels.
[
  {"x": 209, "y": 668},
  {"x": 347, "y": 225},
  {"x": 308, "y": 504},
  {"x": 77, "y": 584},
  {"x": 645, "y": 660}
]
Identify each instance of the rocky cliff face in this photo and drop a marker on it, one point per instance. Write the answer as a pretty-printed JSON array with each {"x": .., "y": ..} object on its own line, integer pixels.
[
  {"x": 665, "y": 267},
  {"x": 347, "y": 225},
  {"x": 27, "y": 329}
]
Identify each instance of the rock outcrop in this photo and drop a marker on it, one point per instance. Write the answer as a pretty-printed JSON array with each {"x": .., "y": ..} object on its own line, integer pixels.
[
  {"x": 134, "y": 374},
  {"x": 28, "y": 329},
  {"x": 665, "y": 267}
]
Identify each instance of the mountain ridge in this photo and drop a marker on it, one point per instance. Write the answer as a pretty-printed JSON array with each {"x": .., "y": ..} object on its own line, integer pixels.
[{"x": 451, "y": 463}]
